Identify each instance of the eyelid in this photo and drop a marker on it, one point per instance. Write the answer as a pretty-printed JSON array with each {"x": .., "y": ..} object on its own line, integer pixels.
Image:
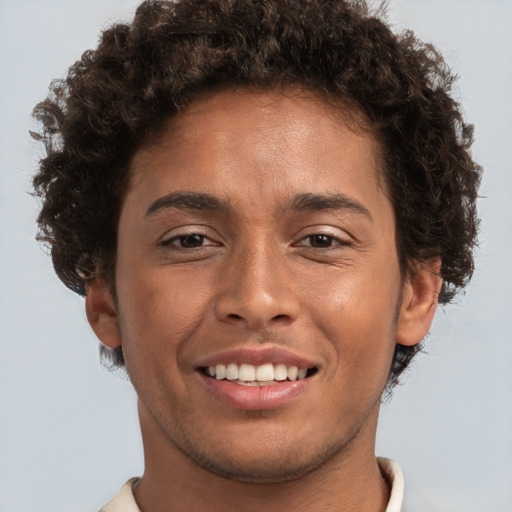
[
  {"x": 169, "y": 241},
  {"x": 335, "y": 233},
  {"x": 336, "y": 243},
  {"x": 186, "y": 230}
]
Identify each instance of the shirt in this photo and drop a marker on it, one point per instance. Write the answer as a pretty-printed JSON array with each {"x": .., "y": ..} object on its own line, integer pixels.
[{"x": 125, "y": 502}]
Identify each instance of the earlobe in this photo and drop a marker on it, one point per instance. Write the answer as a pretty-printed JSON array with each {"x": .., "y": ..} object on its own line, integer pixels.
[
  {"x": 419, "y": 302},
  {"x": 101, "y": 313}
]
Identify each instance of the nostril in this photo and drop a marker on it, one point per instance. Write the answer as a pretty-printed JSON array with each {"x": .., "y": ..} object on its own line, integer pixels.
[
  {"x": 234, "y": 317},
  {"x": 280, "y": 317}
]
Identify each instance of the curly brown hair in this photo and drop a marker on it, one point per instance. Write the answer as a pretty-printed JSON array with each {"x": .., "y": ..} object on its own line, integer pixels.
[{"x": 142, "y": 73}]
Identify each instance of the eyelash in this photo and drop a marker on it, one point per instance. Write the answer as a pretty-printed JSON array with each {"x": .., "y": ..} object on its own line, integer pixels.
[
  {"x": 169, "y": 242},
  {"x": 331, "y": 241}
]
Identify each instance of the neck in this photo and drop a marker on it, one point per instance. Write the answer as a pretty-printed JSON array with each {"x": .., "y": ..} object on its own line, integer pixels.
[{"x": 350, "y": 481}]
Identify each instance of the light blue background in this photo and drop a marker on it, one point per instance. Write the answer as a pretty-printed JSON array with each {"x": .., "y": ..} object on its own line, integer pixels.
[{"x": 68, "y": 428}]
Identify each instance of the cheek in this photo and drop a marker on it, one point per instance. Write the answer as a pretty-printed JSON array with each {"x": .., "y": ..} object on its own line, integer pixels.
[
  {"x": 161, "y": 308},
  {"x": 356, "y": 309},
  {"x": 158, "y": 315}
]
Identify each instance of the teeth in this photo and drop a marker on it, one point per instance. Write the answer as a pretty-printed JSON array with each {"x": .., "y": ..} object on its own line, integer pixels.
[
  {"x": 293, "y": 372},
  {"x": 280, "y": 372},
  {"x": 220, "y": 372},
  {"x": 232, "y": 372},
  {"x": 247, "y": 372},
  {"x": 265, "y": 372},
  {"x": 251, "y": 375},
  {"x": 256, "y": 383}
]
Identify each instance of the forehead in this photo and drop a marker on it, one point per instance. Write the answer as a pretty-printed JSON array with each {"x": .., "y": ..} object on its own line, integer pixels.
[{"x": 231, "y": 141}]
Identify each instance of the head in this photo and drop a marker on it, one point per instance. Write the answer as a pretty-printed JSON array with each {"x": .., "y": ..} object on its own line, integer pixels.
[{"x": 119, "y": 99}]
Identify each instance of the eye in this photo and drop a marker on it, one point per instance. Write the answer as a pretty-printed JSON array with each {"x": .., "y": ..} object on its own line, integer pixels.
[
  {"x": 187, "y": 241},
  {"x": 321, "y": 241}
]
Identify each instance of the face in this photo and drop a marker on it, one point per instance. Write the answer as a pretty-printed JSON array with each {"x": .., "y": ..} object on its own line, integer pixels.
[{"x": 258, "y": 284}]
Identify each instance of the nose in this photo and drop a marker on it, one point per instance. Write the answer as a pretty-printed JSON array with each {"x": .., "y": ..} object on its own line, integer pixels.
[{"x": 257, "y": 291}]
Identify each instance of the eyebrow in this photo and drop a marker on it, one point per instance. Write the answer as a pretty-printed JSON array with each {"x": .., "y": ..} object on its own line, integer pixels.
[
  {"x": 303, "y": 202},
  {"x": 319, "y": 202},
  {"x": 188, "y": 201}
]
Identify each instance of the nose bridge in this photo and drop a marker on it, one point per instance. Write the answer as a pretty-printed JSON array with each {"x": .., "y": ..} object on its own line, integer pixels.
[
  {"x": 256, "y": 290},
  {"x": 257, "y": 269}
]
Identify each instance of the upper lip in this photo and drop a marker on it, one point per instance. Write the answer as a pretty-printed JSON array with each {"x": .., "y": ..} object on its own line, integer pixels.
[{"x": 257, "y": 356}]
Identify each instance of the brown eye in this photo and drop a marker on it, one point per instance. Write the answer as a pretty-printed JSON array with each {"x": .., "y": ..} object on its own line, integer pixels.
[
  {"x": 191, "y": 241},
  {"x": 320, "y": 241}
]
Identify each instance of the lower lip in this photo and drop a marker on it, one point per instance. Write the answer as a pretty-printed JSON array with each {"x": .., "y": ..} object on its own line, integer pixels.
[{"x": 254, "y": 398}]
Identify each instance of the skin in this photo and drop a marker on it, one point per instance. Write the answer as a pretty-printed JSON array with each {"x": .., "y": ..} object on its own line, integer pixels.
[{"x": 322, "y": 281}]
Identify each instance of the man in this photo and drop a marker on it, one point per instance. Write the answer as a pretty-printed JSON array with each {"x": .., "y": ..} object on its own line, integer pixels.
[{"x": 263, "y": 203}]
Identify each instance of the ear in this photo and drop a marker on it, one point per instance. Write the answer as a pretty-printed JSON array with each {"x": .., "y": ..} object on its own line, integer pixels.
[
  {"x": 419, "y": 302},
  {"x": 101, "y": 312}
]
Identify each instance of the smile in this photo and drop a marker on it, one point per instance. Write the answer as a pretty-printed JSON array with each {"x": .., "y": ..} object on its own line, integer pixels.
[{"x": 262, "y": 375}]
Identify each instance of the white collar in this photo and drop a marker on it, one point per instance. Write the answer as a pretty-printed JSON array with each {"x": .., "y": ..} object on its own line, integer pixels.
[{"x": 394, "y": 476}]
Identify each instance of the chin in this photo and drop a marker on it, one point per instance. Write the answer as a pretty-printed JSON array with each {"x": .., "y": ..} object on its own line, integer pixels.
[
  {"x": 261, "y": 472},
  {"x": 266, "y": 467}
]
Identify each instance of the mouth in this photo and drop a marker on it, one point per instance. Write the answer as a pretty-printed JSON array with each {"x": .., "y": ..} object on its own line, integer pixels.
[{"x": 268, "y": 374}]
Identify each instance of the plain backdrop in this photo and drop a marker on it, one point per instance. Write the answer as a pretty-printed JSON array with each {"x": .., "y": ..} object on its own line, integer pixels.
[{"x": 68, "y": 428}]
